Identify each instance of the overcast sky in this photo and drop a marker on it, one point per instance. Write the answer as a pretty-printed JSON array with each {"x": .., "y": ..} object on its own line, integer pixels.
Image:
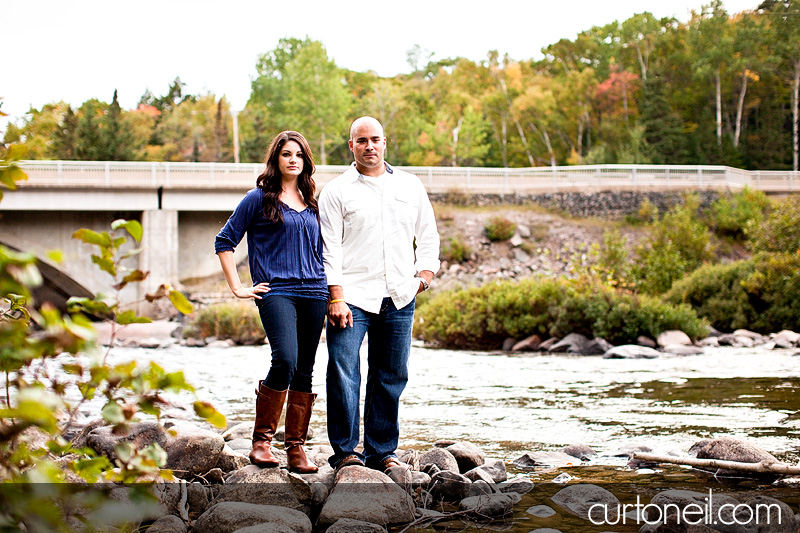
[{"x": 75, "y": 50}]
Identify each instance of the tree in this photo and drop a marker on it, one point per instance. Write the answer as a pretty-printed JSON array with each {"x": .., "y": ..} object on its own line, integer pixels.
[
  {"x": 117, "y": 137},
  {"x": 65, "y": 139},
  {"x": 90, "y": 136}
]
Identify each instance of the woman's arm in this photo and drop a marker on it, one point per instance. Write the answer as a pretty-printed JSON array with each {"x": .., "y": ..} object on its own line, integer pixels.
[{"x": 232, "y": 277}]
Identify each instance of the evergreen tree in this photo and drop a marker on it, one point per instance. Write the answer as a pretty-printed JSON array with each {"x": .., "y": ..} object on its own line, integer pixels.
[
  {"x": 663, "y": 126},
  {"x": 65, "y": 139},
  {"x": 89, "y": 145},
  {"x": 117, "y": 138}
]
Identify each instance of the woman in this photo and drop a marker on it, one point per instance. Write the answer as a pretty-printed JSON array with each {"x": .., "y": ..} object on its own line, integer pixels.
[{"x": 284, "y": 246}]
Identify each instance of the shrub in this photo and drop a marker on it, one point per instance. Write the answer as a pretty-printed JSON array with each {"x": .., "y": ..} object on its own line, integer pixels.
[
  {"x": 677, "y": 244},
  {"x": 455, "y": 251},
  {"x": 239, "y": 322},
  {"x": 759, "y": 294},
  {"x": 482, "y": 317},
  {"x": 780, "y": 232},
  {"x": 732, "y": 215},
  {"x": 500, "y": 229}
]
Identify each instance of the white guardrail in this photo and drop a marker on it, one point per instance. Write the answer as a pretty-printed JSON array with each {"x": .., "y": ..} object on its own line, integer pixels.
[{"x": 138, "y": 175}]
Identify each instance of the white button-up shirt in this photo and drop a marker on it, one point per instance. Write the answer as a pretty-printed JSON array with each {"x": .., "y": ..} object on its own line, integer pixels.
[{"x": 368, "y": 232}]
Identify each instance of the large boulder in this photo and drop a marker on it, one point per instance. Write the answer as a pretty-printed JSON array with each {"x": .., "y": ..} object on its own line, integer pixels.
[
  {"x": 103, "y": 440},
  {"x": 556, "y": 459},
  {"x": 572, "y": 343},
  {"x": 632, "y": 351},
  {"x": 266, "y": 486},
  {"x": 468, "y": 456},
  {"x": 242, "y": 430},
  {"x": 441, "y": 458},
  {"x": 488, "y": 505},
  {"x": 673, "y": 336},
  {"x": 367, "y": 495},
  {"x": 581, "y": 500},
  {"x": 348, "y": 525},
  {"x": 192, "y": 450},
  {"x": 230, "y": 460},
  {"x": 168, "y": 524},
  {"x": 495, "y": 468},
  {"x": 597, "y": 346},
  {"x": 227, "y": 517},
  {"x": 528, "y": 344},
  {"x": 449, "y": 486},
  {"x": 730, "y": 449}
]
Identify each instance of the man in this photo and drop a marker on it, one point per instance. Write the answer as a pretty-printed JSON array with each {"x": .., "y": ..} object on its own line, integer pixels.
[{"x": 370, "y": 217}]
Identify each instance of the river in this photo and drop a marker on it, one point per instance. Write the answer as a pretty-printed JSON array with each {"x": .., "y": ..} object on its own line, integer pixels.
[{"x": 511, "y": 404}]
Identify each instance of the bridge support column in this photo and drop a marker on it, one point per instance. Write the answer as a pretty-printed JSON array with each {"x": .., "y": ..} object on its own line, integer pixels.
[{"x": 160, "y": 254}]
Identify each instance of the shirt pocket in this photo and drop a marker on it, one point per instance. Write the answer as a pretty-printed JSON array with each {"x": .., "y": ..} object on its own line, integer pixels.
[
  {"x": 405, "y": 210},
  {"x": 360, "y": 214}
]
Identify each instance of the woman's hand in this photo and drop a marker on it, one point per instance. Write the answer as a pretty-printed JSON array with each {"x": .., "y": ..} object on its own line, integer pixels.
[{"x": 246, "y": 293}]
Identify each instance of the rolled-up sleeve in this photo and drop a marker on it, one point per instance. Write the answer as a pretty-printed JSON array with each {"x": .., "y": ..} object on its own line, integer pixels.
[
  {"x": 234, "y": 229},
  {"x": 427, "y": 235},
  {"x": 331, "y": 222}
]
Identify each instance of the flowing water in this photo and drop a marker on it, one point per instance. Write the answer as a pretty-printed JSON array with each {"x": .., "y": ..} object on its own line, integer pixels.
[{"x": 512, "y": 404}]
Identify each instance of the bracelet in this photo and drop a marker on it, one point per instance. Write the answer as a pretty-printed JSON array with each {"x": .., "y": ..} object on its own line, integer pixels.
[{"x": 335, "y": 301}]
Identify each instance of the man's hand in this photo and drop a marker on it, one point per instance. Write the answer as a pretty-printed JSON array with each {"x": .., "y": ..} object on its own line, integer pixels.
[
  {"x": 339, "y": 314},
  {"x": 428, "y": 276}
]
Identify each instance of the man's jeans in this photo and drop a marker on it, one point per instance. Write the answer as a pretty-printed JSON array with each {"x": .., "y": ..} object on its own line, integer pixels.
[{"x": 389, "y": 342}]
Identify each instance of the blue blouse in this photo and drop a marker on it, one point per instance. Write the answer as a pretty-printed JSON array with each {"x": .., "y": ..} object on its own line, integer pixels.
[{"x": 286, "y": 255}]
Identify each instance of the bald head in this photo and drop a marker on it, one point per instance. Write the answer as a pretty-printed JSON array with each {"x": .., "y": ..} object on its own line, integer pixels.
[{"x": 371, "y": 122}]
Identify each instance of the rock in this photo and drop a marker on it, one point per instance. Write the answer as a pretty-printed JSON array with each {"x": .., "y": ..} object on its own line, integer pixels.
[
  {"x": 241, "y": 445},
  {"x": 149, "y": 343},
  {"x": 790, "y": 336},
  {"x": 266, "y": 486},
  {"x": 420, "y": 479},
  {"x": 495, "y": 468},
  {"x": 198, "y": 498},
  {"x": 563, "y": 478},
  {"x": 508, "y": 344},
  {"x": 581, "y": 451},
  {"x": 518, "y": 485},
  {"x": 348, "y": 525},
  {"x": 440, "y": 457},
  {"x": 192, "y": 449},
  {"x": 629, "y": 449},
  {"x": 729, "y": 449},
  {"x": 520, "y": 255},
  {"x": 103, "y": 441},
  {"x": 579, "y": 499},
  {"x": 597, "y": 346},
  {"x": 481, "y": 488},
  {"x": 572, "y": 343},
  {"x": 265, "y": 528},
  {"x": 449, "y": 486},
  {"x": 230, "y": 460},
  {"x": 409, "y": 457},
  {"x": 682, "y": 349},
  {"x": 673, "y": 336},
  {"x": 674, "y": 501},
  {"x": 727, "y": 340},
  {"x": 641, "y": 340},
  {"x": 367, "y": 495},
  {"x": 227, "y": 517},
  {"x": 528, "y": 344},
  {"x": 478, "y": 474},
  {"x": 444, "y": 443},
  {"x": 168, "y": 524},
  {"x": 783, "y": 342},
  {"x": 225, "y": 343},
  {"x": 746, "y": 342},
  {"x": 709, "y": 341},
  {"x": 242, "y": 430},
  {"x": 757, "y": 337},
  {"x": 546, "y": 345},
  {"x": 631, "y": 351},
  {"x": 523, "y": 231},
  {"x": 489, "y": 505},
  {"x": 774, "y": 519},
  {"x": 516, "y": 240},
  {"x": 80, "y": 440},
  {"x": 556, "y": 459},
  {"x": 467, "y": 455},
  {"x": 541, "y": 511}
]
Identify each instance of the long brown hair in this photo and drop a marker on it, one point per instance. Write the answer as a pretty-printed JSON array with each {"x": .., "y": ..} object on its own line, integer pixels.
[{"x": 270, "y": 181}]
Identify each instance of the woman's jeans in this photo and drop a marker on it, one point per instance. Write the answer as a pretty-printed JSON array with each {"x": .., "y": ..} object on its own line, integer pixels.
[
  {"x": 389, "y": 342},
  {"x": 293, "y": 326}
]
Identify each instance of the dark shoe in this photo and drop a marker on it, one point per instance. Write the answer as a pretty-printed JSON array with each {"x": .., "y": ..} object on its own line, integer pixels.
[
  {"x": 349, "y": 460},
  {"x": 298, "y": 414},
  {"x": 397, "y": 471},
  {"x": 269, "y": 405}
]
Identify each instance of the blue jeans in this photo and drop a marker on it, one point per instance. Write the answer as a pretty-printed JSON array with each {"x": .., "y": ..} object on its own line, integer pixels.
[
  {"x": 293, "y": 325},
  {"x": 389, "y": 343}
]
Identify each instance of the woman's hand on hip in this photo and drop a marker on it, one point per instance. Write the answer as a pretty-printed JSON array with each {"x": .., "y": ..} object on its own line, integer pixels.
[{"x": 247, "y": 293}]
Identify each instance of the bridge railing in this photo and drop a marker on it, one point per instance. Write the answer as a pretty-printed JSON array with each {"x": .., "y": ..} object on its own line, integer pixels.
[{"x": 131, "y": 174}]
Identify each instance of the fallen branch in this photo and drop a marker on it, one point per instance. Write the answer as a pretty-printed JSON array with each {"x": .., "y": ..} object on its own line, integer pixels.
[{"x": 764, "y": 467}]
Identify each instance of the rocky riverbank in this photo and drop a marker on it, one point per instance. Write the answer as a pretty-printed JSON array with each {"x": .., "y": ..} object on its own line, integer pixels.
[{"x": 450, "y": 483}]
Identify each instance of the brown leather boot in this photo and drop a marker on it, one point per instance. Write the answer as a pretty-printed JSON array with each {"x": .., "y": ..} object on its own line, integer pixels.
[
  {"x": 298, "y": 414},
  {"x": 269, "y": 405}
]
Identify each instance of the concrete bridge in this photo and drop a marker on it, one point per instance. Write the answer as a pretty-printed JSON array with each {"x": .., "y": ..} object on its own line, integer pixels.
[{"x": 183, "y": 205}]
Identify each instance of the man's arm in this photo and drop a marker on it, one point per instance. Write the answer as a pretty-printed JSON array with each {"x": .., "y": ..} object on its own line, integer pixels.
[{"x": 331, "y": 222}]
